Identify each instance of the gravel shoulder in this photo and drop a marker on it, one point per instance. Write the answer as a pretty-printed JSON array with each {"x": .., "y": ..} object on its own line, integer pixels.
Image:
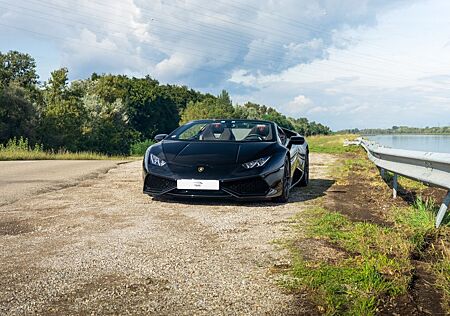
[
  {"x": 19, "y": 179},
  {"x": 102, "y": 247}
]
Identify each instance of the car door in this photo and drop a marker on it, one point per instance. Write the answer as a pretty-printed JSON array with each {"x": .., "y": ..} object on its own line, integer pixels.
[{"x": 293, "y": 149}]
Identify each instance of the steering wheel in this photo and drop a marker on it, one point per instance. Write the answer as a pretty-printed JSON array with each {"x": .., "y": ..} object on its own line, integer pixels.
[{"x": 253, "y": 136}]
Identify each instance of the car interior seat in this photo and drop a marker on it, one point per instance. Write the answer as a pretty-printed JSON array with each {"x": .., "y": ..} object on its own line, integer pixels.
[
  {"x": 217, "y": 131},
  {"x": 262, "y": 130}
]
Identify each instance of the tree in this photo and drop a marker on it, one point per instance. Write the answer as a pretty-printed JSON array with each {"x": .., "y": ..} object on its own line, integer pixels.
[
  {"x": 210, "y": 108},
  {"x": 108, "y": 113},
  {"x": 255, "y": 111},
  {"x": 224, "y": 99},
  {"x": 149, "y": 109},
  {"x": 110, "y": 88},
  {"x": 17, "y": 114},
  {"x": 18, "y": 68},
  {"x": 181, "y": 95},
  {"x": 57, "y": 87},
  {"x": 64, "y": 116},
  {"x": 18, "y": 96},
  {"x": 107, "y": 129},
  {"x": 301, "y": 125}
]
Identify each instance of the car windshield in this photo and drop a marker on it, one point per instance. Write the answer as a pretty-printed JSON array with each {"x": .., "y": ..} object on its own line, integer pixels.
[{"x": 224, "y": 131}]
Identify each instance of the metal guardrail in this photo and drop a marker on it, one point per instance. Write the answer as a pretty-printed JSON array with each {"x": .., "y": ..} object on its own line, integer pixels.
[{"x": 432, "y": 169}]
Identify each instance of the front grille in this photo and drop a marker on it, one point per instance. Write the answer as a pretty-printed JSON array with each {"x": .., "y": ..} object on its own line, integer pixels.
[
  {"x": 158, "y": 184},
  {"x": 199, "y": 193},
  {"x": 252, "y": 186}
]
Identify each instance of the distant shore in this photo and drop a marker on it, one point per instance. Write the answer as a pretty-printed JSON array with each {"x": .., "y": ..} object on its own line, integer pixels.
[{"x": 399, "y": 134}]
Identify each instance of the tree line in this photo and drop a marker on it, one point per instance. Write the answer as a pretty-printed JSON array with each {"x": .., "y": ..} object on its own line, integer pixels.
[
  {"x": 398, "y": 130},
  {"x": 109, "y": 113}
]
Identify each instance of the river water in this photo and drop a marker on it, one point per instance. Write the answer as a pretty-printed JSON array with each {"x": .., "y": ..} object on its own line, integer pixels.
[{"x": 432, "y": 143}]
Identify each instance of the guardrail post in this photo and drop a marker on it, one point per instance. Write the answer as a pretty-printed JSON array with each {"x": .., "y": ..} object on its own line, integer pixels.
[
  {"x": 442, "y": 210},
  {"x": 382, "y": 173},
  {"x": 394, "y": 186}
]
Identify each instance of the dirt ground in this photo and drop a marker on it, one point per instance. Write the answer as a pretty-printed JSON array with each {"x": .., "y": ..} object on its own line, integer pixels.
[{"x": 102, "y": 247}]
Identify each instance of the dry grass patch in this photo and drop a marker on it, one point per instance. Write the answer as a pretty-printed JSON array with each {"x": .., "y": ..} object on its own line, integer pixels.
[{"x": 19, "y": 149}]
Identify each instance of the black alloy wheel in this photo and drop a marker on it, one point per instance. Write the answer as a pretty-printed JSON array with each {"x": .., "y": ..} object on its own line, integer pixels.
[
  {"x": 284, "y": 197},
  {"x": 305, "y": 178}
]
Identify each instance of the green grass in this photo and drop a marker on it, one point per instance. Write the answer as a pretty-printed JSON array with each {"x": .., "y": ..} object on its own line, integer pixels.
[
  {"x": 411, "y": 184},
  {"x": 377, "y": 261},
  {"x": 331, "y": 144},
  {"x": 417, "y": 224},
  {"x": 377, "y": 264},
  {"x": 19, "y": 149},
  {"x": 441, "y": 269},
  {"x": 417, "y": 221},
  {"x": 351, "y": 288}
]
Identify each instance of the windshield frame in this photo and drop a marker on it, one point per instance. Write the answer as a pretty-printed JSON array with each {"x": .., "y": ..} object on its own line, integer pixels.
[{"x": 172, "y": 136}]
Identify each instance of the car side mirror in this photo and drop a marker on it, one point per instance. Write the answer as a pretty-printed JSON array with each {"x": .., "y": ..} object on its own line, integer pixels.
[
  {"x": 160, "y": 137},
  {"x": 296, "y": 140}
]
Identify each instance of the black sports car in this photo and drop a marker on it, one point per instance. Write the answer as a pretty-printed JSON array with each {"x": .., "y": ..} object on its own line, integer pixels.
[{"x": 243, "y": 159}]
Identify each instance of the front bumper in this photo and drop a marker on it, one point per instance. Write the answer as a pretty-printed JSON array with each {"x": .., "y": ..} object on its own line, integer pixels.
[{"x": 255, "y": 187}]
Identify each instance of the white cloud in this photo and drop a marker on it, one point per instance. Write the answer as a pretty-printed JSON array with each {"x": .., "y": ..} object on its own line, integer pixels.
[
  {"x": 387, "y": 78},
  {"x": 175, "y": 65},
  {"x": 299, "y": 104},
  {"x": 261, "y": 36},
  {"x": 305, "y": 52},
  {"x": 358, "y": 60}
]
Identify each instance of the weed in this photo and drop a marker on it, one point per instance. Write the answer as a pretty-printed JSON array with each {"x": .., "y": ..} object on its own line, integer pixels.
[
  {"x": 417, "y": 224},
  {"x": 332, "y": 144},
  {"x": 350, "y": 288},
  {"x": 20, "y": 149},
  {"x": 377, "y": 264},
  {"x": 441, "y": 269}
]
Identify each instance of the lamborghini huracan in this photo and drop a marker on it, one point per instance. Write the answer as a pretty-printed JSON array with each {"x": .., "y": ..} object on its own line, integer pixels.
[{"x": 241, "y": 159}]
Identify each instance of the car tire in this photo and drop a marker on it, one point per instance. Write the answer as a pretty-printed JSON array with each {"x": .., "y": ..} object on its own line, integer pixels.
[
  {"x": 284, "y": 197},
  {"x": 305, "y": 178}
]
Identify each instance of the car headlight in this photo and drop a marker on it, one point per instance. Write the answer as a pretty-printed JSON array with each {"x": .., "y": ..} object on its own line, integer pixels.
[
  {"x": 256, "y": 163},
  {"x": 156, "y": 161}
]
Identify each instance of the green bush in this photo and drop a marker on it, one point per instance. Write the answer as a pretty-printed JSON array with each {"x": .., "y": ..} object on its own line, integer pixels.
[{"x": 138, "y": 149}]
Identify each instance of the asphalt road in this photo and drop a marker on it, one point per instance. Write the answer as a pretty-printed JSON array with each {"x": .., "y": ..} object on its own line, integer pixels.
[
  {"x": 19, "y": 179},
  {"x": 103, "y": 247}
]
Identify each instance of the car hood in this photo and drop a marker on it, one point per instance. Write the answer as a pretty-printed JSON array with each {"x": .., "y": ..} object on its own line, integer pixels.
[{"x": 214, "y": 153}]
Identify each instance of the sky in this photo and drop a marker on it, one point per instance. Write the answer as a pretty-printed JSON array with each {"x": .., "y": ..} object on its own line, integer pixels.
[{"x": 343, "y": 63}]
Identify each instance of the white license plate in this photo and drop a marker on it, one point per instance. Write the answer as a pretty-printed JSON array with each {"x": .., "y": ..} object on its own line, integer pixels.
[{"x": 187, "y": 184}]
